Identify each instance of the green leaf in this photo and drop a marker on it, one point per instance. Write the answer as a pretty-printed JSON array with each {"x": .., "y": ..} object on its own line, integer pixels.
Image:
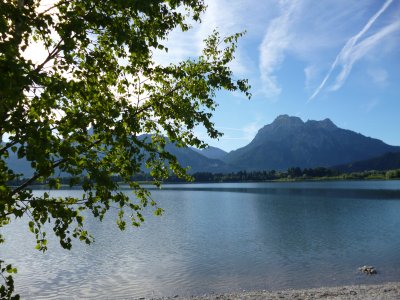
[{"x": 82, "y": 117}]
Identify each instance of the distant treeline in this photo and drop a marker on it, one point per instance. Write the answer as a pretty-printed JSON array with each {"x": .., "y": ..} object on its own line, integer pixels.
[
  {"x": 291, "y": 174},
  {"x": 296, "y": 173}
]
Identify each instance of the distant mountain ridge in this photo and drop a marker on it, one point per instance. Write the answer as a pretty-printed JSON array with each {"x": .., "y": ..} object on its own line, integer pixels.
[
  {"x": 286, "y": 142},
  {"x": 290, "y": 142},
  {"x": 196, "y": 160},
  {"x": 212, "y": 152},
  {"x": 388, "y": 161}
]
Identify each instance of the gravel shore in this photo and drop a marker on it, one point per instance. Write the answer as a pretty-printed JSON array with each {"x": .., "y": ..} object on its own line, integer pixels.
[{"x": 381, "y": 291}]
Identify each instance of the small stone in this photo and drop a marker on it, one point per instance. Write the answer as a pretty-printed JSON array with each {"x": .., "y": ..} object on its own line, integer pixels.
[
  {"x": 353, "y": 293},
  {"x": 368, "y": 270}
]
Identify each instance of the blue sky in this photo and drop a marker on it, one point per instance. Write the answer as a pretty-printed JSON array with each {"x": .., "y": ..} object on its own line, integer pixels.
[{"x": 336, "y": 59}]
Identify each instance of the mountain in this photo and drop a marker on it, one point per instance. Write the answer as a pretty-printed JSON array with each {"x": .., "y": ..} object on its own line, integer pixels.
[
  {"x": 197, "y": 161},
  {"x": 212, "y": 152},
  {"x": 384, "y": 162},
  {"x": 286, "y": 142},
  {"x": 20, "y": 166},
  {"x": 194, "y": 158},
  {"x": 290, "y": 142}
]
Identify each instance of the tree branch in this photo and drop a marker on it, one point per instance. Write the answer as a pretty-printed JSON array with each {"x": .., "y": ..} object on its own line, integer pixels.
[
  {"x": 52, "y": 7},
  {"x": 34, "y": 178},
  {"x": 56, "y": 50},
  {"x": 7, "y": 146},
  {"x": 144, "y": 107},
  {"x": 38, "y": 175}
]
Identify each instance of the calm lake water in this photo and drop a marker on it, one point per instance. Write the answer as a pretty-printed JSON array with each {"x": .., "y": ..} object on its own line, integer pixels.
[{"x": 223, "y": 238}]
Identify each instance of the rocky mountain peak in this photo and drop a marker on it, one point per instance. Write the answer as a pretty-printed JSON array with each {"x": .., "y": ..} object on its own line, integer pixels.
[
  {"x": 288, "y": 120},
  {"x": 326, "y": 124},
  {"x": 289, "y": 142}
]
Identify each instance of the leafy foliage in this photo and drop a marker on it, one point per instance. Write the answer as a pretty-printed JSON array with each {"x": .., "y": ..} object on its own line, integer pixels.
[
  {"x": 6, "y": 290},
  {"x": 81, "y": 109}
]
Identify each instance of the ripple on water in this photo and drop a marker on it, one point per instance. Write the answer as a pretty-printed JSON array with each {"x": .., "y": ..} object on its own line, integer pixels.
[{"x": 212, "y": 240}]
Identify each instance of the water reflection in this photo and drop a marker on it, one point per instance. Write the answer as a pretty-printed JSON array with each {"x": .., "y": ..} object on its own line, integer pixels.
[{"x": 223, "y": 238}]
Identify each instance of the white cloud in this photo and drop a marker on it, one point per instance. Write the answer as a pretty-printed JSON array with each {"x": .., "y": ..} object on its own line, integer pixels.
[
  {"x": 251, "y": 129},
  {"x": 361, "y": 50},
  {"x": 371, "y": 104},
  {"x": 310, "y": 73},
  {"x": 275, "y": 42},
  {"x": 227, "y": 17},
  {"x": 378, "y": 76},
  {"x": 223, "y": 16},
  {"x": 246, "y": 132},
  {"x": 180, "y": 46},
  {"x": 354, "y": 50}
]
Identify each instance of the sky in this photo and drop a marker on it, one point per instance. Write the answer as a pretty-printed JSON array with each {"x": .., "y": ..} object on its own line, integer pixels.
[{"x": 336, "y": 59}]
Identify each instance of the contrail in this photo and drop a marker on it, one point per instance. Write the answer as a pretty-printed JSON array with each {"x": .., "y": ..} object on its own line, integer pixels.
[{"x": 348, "y": 47}]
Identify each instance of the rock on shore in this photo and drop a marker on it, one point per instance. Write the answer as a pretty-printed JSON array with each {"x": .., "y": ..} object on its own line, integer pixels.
[{"x": 381, "y": 291}]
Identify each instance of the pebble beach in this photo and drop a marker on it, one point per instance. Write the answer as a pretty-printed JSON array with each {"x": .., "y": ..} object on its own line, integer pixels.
[{"x": 380, "y": 291}]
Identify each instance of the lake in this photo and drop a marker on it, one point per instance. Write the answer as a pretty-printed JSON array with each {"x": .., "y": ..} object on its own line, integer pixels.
[{"x": 223, "y": 238}]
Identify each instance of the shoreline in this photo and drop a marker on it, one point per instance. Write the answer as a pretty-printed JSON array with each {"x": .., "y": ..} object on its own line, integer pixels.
[{"x": 390, "y": 290}]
